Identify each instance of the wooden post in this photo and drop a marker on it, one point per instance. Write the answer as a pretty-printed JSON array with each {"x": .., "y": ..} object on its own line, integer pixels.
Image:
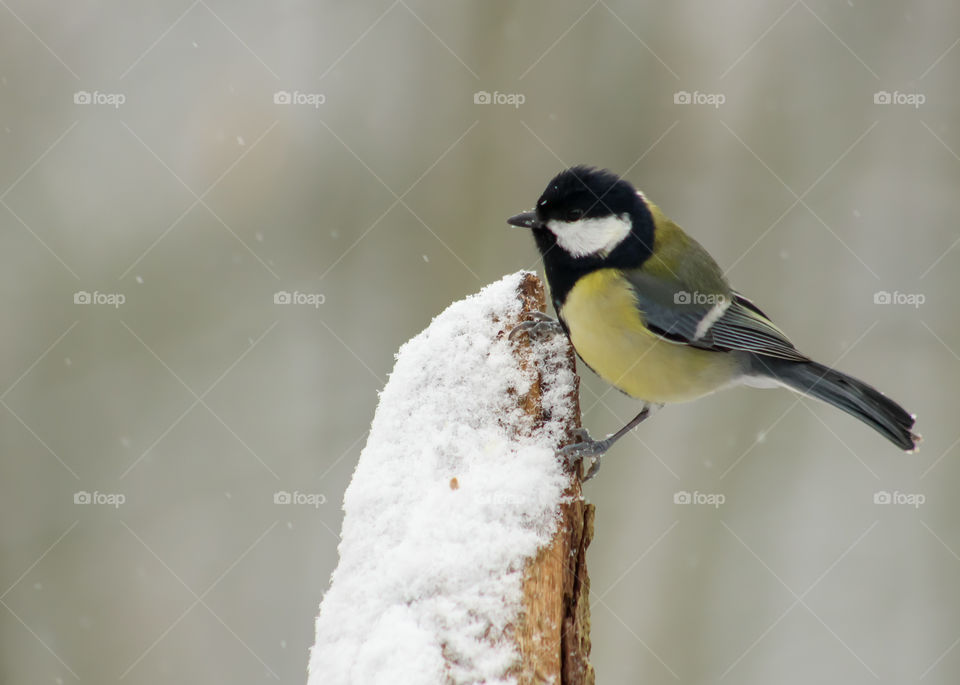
[
  {"x": 553, "y": 635},
  {"x": 428, "y": 544}
]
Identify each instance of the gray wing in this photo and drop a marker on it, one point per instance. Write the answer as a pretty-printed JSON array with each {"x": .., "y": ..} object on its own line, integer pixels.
[{"x": 720, "y": 321}]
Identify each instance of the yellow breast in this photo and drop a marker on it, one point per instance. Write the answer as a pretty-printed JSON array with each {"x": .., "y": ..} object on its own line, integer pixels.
[{"x": 608, "y": 333}]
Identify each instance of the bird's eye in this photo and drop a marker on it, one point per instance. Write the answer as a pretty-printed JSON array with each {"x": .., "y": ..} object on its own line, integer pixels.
[{"x": 574, "y": 215}]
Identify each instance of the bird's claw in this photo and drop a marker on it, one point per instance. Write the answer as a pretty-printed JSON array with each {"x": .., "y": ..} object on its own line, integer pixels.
[
  {"x": 580, "y": 435},
  {"x": 585, "y": 448},
  {"x": 537, "y": 325},
  {"x": 537, "y": 316}
]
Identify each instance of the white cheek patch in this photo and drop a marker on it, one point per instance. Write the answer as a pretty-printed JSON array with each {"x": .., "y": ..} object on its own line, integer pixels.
[{"x": 591, "y": 236}]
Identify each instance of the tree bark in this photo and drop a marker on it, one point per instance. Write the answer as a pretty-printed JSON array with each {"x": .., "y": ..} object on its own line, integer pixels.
[{"x": 553, "y": 633}]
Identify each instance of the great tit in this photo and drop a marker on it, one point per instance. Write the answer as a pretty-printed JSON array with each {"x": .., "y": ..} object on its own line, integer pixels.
[{"x": 648, "y": 309}]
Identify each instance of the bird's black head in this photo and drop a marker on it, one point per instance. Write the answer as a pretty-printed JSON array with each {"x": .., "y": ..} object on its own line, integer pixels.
[
  {"x": 583, "y": 192},
  {"x": 588, "y": 219}
]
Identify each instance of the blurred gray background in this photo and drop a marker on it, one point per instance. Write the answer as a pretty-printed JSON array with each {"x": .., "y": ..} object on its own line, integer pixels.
[{"x": 150, "y": 155}]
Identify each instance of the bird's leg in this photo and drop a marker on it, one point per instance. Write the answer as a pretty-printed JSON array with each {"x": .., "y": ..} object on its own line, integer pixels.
[
  {"x": 537, "y": 325},
  {"x": 594, "y": 449}
]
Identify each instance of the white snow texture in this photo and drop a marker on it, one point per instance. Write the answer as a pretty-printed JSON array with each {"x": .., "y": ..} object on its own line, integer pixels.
[{"x": 430, "y": 570}]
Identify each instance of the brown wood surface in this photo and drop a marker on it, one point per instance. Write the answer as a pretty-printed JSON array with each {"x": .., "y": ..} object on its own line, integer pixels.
[{"x": 553, "y": 633}]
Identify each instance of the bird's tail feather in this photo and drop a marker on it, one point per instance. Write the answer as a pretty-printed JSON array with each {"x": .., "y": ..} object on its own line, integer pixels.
[{"x": 844, "y": 392}]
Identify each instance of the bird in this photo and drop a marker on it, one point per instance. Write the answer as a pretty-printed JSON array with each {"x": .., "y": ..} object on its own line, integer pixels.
[{"x": 648, "y": 309}]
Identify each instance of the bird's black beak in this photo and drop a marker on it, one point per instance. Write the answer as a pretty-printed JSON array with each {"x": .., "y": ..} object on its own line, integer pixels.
[{"x": 525, "y": 220}]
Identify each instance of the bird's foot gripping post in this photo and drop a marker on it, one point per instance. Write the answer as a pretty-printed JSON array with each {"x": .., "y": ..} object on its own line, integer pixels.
[
  {"x": 588, "y": 448},
  {"x": 463, "y": 547},
  {"x": 536, "y": 325}
]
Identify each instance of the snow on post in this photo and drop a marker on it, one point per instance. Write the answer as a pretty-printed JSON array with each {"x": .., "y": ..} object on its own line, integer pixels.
[{"x": 462, "y": 553}]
